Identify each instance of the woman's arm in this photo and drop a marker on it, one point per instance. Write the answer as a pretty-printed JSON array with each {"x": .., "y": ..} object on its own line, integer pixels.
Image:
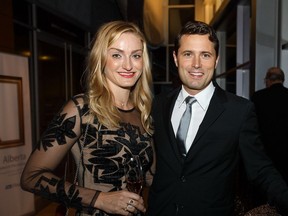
[
  {"x": 39, "y": 173},
  {"x": 38, "y": 176}
]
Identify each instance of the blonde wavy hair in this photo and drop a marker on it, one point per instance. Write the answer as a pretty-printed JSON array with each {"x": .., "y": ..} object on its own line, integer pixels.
[{"x": 100, "y": 97}]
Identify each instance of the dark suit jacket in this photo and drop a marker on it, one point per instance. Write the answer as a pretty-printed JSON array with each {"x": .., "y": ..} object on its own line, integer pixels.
[
  {"x": 204, "y": 183},
  {"x": 272, "y": 111}
]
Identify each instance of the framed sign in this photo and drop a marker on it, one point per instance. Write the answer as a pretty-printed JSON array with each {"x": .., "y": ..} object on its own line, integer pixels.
[{"x": 11, "y": 112}]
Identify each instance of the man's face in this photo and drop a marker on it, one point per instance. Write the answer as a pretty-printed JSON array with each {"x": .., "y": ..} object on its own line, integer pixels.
[{"x": 196, "y": 61}]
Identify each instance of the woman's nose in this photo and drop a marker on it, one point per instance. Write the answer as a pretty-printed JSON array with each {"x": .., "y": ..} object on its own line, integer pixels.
[{"x": 127, "y": 64}]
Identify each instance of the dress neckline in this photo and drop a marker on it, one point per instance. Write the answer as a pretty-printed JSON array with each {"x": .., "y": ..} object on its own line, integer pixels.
[{"x": 130, "y": 110}]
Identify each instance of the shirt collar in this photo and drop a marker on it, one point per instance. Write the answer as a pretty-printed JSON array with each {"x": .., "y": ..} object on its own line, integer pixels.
[{"x": 203, "y": 97}]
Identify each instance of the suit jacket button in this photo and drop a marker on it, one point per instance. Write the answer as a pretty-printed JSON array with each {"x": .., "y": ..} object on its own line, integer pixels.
[{"x": 183, "y": 179}]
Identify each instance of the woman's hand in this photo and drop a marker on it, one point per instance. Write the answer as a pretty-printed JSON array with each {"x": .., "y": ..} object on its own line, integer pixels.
[{"x": 120, "y": 202}]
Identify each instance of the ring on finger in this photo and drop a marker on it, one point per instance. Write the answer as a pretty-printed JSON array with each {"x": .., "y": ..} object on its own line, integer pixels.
[
  {"x": 128, "y": 207},
  {"x": 131, "y": 201}
]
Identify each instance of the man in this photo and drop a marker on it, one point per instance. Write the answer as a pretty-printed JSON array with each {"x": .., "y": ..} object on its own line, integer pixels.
[
  {"x": 201, "y": 181},
  {"x": 272, "y": 110}
]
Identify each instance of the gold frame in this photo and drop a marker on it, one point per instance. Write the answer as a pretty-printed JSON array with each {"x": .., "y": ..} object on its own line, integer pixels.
[{"x": 19, "y": 138}]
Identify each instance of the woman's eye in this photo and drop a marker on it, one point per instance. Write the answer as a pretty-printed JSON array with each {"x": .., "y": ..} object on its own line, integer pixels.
[
  {"x": 137, "y": 56},
  {"x": 116, "y": 55}
]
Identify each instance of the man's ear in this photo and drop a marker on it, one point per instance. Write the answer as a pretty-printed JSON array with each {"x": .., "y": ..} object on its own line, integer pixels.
[
  {"x": 216, "y": 63},
  {"x": 175, "y": 58}
]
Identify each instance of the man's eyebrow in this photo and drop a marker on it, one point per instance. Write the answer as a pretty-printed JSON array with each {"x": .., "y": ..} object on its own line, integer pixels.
[
  {"x": 191, "y": 51},
  {"x": 185, "y": 51}
]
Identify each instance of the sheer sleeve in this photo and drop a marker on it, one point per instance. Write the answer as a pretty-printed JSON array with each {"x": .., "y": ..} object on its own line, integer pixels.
[
  {"x": 38, "y": 175},
  {"x": 151, "y": 171}
]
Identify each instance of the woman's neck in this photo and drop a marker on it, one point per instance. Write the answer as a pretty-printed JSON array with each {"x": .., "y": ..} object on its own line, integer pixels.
[{"x": 123, "y": 101}]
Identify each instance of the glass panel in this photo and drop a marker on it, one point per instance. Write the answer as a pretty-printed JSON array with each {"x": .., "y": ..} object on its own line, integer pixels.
[
  {"x": 177, "y": 18},
  {"x": 59, "y": 27},
  {"x": 51, "y": 82},
  {"x": 158, "y": 57},
  {"x": 230, "y": 63},
  {"x": 173, "y": 70},
  {"x": 54, "y": 86},
  {"x": 21, "y": 11},
  {"x": 78, "y": 68},
  {"x": 22, "y": 40},
  {"x": 178, "y": 2},
  {"x": 231, "y": 83}
]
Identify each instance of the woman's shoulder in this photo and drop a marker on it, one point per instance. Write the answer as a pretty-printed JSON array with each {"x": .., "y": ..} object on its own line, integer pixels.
[{"x": 80, "y": 101}]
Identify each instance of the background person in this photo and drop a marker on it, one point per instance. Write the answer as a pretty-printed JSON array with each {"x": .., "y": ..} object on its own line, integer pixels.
[
  {"x": 272, "y": 111},
  {"x": 223, "y": 132},
  {"x": 116, "y": 107}
]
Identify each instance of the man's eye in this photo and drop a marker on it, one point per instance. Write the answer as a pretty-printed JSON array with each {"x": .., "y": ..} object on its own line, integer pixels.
[
  {"x": 187, "y": 54},
  {"x": 206, "y": 55}
]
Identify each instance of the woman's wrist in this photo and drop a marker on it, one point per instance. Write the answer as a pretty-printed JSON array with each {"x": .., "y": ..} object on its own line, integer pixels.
[{"x": 93, "y": 201}]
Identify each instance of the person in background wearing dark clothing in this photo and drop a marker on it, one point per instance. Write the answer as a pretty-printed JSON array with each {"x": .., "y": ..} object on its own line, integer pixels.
[
  {"x": 272, "y": 110},
  {"x": 196, "y": 175}
]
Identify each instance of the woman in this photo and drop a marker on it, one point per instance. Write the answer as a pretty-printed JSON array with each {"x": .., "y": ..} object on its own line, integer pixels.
[{"x": 102, "y": 128}]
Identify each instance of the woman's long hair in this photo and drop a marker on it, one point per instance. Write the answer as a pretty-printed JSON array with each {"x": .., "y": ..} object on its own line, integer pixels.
[{"x": 99, "y": 95}]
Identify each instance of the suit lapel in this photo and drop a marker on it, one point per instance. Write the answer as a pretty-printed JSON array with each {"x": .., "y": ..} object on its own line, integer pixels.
[
  {"x": 167, "y": 110},
  {"x": 215, "y": 109}
]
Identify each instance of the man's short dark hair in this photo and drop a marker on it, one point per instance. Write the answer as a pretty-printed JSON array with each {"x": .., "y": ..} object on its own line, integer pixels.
[{"x": 197, "y": 28}]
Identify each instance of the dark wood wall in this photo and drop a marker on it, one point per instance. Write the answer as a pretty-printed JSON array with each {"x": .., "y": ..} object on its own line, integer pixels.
[{"x": 6, "y": 26}]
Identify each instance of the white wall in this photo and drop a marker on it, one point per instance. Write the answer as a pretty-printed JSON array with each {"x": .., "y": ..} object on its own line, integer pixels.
[
  {"x": 284, "y": 39},
  {"x": 271, "y": 34},
  {"x": 267, "y": 39}
]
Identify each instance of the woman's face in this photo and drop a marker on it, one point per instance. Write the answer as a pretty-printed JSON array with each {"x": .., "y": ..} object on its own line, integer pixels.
[{"x": 124, "y": 62}]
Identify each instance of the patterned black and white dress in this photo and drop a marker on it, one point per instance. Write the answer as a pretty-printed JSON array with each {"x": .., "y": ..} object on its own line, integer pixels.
[{"x": 101, "y": 162}]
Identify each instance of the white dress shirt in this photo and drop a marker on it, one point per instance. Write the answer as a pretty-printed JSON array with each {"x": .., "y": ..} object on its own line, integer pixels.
[{"x": 199, "y": 109}]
